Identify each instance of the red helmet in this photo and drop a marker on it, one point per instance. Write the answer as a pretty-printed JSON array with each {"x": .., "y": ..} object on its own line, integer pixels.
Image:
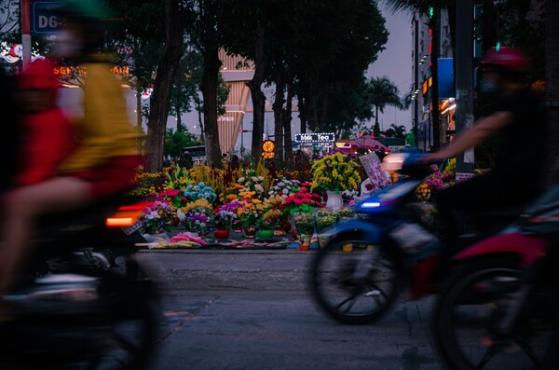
[
  {"x": 39, "y": 75},
  {"x": 509, "y": 59}
]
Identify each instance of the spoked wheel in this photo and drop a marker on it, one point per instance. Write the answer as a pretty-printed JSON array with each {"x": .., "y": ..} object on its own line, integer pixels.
[
  {"x": 468, "y": 312},
  {"x": 353, "y": 281}
]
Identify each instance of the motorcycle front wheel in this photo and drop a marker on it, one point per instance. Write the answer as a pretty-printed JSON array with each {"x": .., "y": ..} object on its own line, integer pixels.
[{"x": 355, "y": 282}]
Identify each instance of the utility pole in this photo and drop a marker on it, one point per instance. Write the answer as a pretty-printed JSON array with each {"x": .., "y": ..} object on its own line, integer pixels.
[
  {"x": 26, "y": 31},
  {"x": 416, "y": 81},
  {"x": 464, "y": 81}
]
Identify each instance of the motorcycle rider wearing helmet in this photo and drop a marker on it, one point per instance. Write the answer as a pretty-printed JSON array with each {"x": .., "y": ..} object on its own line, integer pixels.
[
  {"x": 518, "y": 123},
  {"x": 104, "y": 161}
]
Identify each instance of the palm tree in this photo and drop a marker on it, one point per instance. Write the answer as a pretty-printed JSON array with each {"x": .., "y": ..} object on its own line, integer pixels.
[
  {"x": 381, "y": 92},
  {"x": 398, "y": 131}
]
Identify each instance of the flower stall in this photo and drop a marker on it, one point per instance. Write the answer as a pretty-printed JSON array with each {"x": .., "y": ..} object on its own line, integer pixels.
[{"x": 247, "y": 205}]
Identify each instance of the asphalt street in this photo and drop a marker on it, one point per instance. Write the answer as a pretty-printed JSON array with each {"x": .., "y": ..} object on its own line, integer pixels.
[{"x": 251, "y": 310}]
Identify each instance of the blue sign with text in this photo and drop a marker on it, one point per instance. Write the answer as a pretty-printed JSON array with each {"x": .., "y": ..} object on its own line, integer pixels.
[
  {"x": 446, "y": 78},
  {"x": 44, "y": 19}
]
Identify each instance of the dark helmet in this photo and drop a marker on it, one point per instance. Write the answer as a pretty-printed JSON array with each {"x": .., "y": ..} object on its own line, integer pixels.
[
  {"x": 506, "y": 59},
  {"x": 90, "y": 9},
  {"x": 91, "y": 17}
]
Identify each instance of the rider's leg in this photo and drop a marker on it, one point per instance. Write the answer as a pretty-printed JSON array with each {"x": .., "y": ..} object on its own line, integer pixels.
[
  {"x": 22, "y": 208},
  {"x": 479, "y": 194}
]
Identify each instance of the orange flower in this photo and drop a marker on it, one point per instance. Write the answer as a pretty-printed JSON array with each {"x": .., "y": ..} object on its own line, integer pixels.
[{"x": 231, "y": 197}]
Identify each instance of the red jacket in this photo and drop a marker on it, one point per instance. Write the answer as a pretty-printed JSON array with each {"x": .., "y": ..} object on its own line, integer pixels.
[{"x": 49, "y": 140}]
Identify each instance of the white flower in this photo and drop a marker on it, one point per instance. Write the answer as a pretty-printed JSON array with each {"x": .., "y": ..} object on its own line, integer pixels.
[
  {"x": 285, "y": 191},
  {"x": 181, "y": 216},
  {"x": 254, "y": 179},
  {"x": 241, "y": 180},
  {"x": 261, "y": 178},
  {"x": 259, "y": 188}
]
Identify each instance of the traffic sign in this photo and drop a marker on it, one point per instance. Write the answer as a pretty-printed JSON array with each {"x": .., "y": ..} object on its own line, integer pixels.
[{"x": 44, "y": 19}]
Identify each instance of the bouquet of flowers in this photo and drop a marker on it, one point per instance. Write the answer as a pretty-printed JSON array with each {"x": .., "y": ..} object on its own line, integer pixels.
[
  {"x": 197, "y": 216},
  {"x": 177, "y": 177},
  {"x": 227, "y": 214},
  {"x": 157, "y": 217},
  {"x": 252, "y": 184},
  {"x": 173, "y": 197},
  {"x": 335, "y": 172},
  {"x": 345, "y": 213},
  {"x": 270, "y": 219},
  {"x": 303, "y": 223},
  {"x": 148, "y": 183},
  {"x": 303, "y": 201},
  {"x": 325, "y": 219},
  {"x": 285, "y": 187},
  {"x": 200, "y": 191}
]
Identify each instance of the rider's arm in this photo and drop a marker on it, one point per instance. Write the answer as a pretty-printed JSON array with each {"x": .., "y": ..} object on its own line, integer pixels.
[{"x": 481, "y": 131}]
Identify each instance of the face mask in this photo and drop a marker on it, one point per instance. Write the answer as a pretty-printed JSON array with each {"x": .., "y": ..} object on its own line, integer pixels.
[
  {"x": 66, "y": 45},
  {"x": 488, "y": 87}
]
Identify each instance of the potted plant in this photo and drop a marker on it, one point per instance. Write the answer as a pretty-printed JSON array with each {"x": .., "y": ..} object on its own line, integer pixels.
[
  {"x": 225, "y": 216},
  {"x": 197, "y": 216},
  {"x": 333, "y": 174},
  {"x": 304, "y": 225}
]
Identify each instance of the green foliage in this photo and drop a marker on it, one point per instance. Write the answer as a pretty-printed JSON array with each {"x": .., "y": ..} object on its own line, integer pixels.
[
  {"x": 380, "y": 93},
  {"x": 176, "y": 141},
  {"x": 398, "y": 131}
]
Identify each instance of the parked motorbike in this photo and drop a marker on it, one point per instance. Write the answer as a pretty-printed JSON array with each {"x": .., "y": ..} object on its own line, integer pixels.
[
  {"x": 84, "y": 301},
  {"x": 359, "y": 273},
  {"x": 500, "y": 309}
]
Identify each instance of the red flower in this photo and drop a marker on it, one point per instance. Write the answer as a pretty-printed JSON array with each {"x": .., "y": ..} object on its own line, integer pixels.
[{"x": 299, "y": 202}]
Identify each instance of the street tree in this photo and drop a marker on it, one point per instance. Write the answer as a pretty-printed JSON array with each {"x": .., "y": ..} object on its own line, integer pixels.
[{"x": 381, "y": 93}]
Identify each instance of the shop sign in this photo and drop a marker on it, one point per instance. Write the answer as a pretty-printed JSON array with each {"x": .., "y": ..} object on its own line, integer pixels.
[
  {"x": 268, "y": 148},
  {"x": 315, "y": 138}
]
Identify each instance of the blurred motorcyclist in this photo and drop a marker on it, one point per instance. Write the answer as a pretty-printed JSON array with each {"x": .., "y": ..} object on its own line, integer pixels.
[
  {"x": 106, "y": 156},
  {"x": 517, "y": 120},
  {"x": 49, "y": 135}
]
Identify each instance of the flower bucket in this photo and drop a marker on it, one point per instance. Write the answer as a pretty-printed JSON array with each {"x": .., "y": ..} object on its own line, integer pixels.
[
  {"x": 265, "y": 234},
  {"x": 221, "y": 234},
  {"x": 249, "y": 231},
  {"x": 334, "y": 201}
]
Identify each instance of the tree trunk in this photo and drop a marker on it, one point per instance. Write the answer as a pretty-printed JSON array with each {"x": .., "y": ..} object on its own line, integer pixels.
[
  {"x": 258, "y": 97},
  {"x": 166, "y": 72},
  {"x": 376, "y": 128},
  {"x": 179, "y": 116},
  {"x": 287, "y": 124},
  {"x": 552, "y": 86},
  {"x": 436, "y": 46},
  {"x": 278, "y": 113},
  {"x": 302, "y": 113},
  {"x": 209, "y": 92}
]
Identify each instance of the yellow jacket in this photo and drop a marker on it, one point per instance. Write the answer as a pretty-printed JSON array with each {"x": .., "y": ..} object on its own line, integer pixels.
[{"x": 105, "y": 131}]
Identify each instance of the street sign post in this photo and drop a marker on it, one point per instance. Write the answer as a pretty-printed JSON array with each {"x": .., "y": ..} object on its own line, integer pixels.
[
  {"x": 44, "y": 20},
  {"x": 464, "y": 82}
]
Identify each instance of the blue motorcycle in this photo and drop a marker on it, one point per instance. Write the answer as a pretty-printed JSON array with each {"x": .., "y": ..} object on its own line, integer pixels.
[{"x": 358, "y": 275}]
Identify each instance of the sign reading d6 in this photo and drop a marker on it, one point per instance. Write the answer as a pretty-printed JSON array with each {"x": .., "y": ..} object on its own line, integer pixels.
[{"x": 44, "y": 19}]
